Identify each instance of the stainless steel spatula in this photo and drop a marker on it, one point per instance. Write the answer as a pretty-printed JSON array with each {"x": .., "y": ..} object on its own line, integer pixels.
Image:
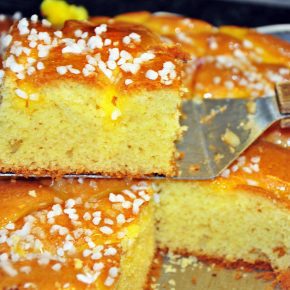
[{"x": 219, "y": 131}]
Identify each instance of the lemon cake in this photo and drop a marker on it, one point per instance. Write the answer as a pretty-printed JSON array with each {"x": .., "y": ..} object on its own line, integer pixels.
[
  {"x": 89, "y": 99},
  {"x": 240, "y": 218},
  {"x": 75, "y": 234}
]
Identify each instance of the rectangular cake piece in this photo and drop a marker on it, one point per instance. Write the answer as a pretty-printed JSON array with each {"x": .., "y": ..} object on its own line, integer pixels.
[
  {"x": 242, "y": 217},
  {"x": 89, "y": 99},
  {"x": 94, "y": 235}
]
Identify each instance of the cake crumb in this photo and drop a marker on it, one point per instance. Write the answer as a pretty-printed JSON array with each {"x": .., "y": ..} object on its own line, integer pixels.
[
  {"x": 251, "y": 107},
  {"x": 172, "y": 282},
  {"x": 32, "y": 193},
  {"x": 213, "y": 113},
  {"x": 238, "y": 276},
  {"x": 169, "y": 269},
  {"x": 231, "y": 138},
  {"x": 194, "y": 168},
  {"x": 218, "y": 157}
]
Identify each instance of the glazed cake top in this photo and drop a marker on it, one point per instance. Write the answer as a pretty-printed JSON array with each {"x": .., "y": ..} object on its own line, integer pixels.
[
  {"x": 125, "y": 56},
  {"x": 226, "y": 62},
  {"x": 67, "y": 234}
]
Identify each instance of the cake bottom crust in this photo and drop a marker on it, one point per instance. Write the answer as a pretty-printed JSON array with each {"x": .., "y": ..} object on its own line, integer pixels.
[
  {"x": 58, "y": 173},
  {"x": 221, "y": 261},
  {"x": 264, "y": 270}
]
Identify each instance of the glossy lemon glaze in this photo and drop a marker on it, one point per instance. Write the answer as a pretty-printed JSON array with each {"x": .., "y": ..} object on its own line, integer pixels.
[
  {"x": 113, "y": 37},
  {"x": 53, "y": 233}
]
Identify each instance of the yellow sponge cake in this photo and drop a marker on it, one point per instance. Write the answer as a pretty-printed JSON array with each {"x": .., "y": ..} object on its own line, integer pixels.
[
  {"x": 71, "y": 235},
  {"x": 89, "y": 99},
  {"x": 243, "y": 217}
]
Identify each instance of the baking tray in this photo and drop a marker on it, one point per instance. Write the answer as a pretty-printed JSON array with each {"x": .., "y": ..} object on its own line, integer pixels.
[{"x": 181, "y": 273}]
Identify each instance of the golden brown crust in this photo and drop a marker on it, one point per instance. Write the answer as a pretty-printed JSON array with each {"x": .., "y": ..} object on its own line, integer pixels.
[
  {"x": 270, "y": 178},
  {"x": 5, "y": 24},
  {"x": 284, "y": 280},
  {"x": 277, "y": 135},
  {"x": 58, "y": 173},
  {"x": 95, "y": 55},
  {"x": 166, "y": 23},
  {"x": 261, "y": 170}
]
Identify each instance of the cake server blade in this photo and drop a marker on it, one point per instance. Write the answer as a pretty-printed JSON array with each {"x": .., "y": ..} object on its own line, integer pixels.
[{"x": 218, "y": 131}]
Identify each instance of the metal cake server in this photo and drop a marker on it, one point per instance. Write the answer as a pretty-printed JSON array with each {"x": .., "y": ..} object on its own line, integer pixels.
[{"x": 219, "y": 130}]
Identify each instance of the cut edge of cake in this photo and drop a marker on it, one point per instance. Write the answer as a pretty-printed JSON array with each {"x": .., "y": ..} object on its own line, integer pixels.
[{"x": 124, "y": 74}]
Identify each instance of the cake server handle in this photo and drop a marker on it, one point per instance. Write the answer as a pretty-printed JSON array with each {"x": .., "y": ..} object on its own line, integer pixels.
[{"x": 283, "y": 100}]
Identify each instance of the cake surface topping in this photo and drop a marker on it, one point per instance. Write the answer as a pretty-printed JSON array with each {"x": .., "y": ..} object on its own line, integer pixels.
[
  {"x": 71, "y": 233},
  {"x": 107, "y": 54},
  {"x": 226, "y": 62}
]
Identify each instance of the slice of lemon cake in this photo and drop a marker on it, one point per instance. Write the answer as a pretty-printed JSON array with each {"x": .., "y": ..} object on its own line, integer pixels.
[
  {"x": 89, "y": 99},
  {"x": 93, "y": 235}
]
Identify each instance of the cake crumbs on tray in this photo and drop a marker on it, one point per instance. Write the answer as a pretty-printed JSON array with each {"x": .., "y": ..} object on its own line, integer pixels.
[
  {"x": 230, "y": 138},
  {"x": 187, "y": 267},
  {"x": 193, "y": 168},
  {"x": 251, "y": 107},
  {"x": 213, "y": 113}
]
